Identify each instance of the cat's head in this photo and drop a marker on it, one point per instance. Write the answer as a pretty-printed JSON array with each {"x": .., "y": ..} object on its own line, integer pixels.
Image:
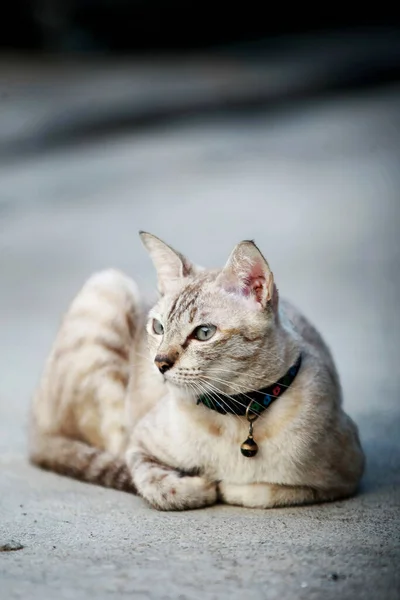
[{"x": 210, "y": 326}]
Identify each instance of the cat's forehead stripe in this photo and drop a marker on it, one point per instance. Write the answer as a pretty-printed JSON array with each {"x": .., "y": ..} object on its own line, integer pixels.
[
  {"x": 192, "y": 314},
  {"x": 173, "y": 306},
  {"x": 189, "y": 294},
  {"x": 185, "y": 299},
  {"x": 184, "y": 306}
]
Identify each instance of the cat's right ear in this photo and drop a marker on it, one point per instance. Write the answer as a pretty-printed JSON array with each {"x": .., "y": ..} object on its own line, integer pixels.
[
  {"x": 247, "y": 274},
  {"x": 171, "y": 266}
]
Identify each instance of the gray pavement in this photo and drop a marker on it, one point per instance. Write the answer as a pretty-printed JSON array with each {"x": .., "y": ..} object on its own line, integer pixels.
[{"x": 318, "y": 189}]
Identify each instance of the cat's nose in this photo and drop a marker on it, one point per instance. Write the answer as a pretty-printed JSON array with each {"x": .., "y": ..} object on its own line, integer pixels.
[{"x": 163, "y": 363}]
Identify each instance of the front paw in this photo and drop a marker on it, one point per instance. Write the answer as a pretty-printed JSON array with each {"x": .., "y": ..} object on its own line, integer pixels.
[
  {"x": 175, "y": 492},
  {"x": 167, "y": 489}
]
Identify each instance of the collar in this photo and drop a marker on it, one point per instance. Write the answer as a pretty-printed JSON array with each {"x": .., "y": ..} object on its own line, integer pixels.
[{"x": 259, "y": 400}]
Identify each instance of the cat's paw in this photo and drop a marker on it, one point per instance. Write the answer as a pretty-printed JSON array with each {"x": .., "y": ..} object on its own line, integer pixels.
[
  {"x": 195, "y": 492},
  {"x": 165, "y": 488},
  {"x": 168, "y": 490},
  {"x": 181, "y": 493}
]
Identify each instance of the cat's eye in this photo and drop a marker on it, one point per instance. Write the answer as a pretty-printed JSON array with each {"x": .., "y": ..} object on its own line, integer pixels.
[
  {"x": 157, "y": 327},
  {"x": 204, "y": 332}
]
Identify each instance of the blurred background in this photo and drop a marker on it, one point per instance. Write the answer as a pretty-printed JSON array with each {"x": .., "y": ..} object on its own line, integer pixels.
[{"x": 205, "y": 124}]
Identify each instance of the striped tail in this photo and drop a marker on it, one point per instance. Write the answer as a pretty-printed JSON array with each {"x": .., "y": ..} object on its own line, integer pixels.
[{"x": 79, "y": 460}]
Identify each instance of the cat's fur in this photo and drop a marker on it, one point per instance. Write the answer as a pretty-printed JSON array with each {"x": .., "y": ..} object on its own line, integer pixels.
[{"x": 103, "y": 412}]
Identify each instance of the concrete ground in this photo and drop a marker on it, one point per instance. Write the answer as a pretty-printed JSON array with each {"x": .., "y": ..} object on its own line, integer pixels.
[{"x": 317, "y": 187}]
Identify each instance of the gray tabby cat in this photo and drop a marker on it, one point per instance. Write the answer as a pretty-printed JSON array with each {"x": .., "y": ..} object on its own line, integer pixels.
[{"x": 146, "y": 402}]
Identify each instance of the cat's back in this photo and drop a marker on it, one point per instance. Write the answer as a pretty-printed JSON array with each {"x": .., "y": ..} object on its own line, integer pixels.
[{"x": 90, "y": 356}]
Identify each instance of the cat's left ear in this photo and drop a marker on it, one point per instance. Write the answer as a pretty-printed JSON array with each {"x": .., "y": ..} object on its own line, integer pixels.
[
  {"x": 247, "y": 273},
  {"x": 171, "y": 266}
]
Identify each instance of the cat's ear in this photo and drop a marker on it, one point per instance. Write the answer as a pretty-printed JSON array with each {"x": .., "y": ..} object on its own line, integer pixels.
[
  {"x": 170, "y": 265},
  {"x": 247, "y": 273}
]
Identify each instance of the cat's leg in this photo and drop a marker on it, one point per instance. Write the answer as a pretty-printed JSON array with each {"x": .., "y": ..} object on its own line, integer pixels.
[
  {"x": 268, "y": 495},
  {"x": 167, "y": 489}
]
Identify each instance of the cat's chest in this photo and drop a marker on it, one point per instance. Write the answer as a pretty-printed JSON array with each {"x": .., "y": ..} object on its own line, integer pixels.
[
  {"x": 222, "y": 459},
  {"x": 215, "y": 448}
]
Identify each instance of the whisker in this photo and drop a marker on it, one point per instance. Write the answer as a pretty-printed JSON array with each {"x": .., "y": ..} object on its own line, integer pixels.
[
  {"x": 225, "y": 393},
  {"x": 209, "y": 393},
  {"x": 216, "y": 389},
  {"x": 217, "y": 393},
  {"x": 242, "y": 393},
  {"x": 194, "y": 389},
  {"x": 247, "y": 389},
  {"x": 204, "y": 391},
  {"x": 221, "y": 401},
  {"x": 239, "y": 392},
  {"x": 249, "y": 370}
]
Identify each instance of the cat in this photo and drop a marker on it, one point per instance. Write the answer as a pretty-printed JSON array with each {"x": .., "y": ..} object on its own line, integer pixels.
[{"x": 163, "y": 402}]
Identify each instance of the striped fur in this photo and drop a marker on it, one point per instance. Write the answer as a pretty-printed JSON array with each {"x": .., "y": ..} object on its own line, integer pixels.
[
  {"x": 79, "y": 425},
  {"x": 79, "y": 460},
  {"x": 104, "y": 414}
]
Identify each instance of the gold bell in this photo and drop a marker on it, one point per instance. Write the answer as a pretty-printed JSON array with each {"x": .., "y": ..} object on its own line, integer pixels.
[{"x": 249, "y": 448}]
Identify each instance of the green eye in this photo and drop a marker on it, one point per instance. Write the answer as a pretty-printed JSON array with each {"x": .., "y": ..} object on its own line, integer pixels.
[
  {"x": 157, "y": 327},
  {"x": 204, "y": 332}
]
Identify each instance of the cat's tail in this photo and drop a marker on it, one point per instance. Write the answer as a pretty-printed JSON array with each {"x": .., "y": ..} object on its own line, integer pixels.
[{"x": 79, "y": 460}]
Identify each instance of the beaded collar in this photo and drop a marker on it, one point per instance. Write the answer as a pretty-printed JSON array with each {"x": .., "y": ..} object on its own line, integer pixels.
[
  {"x": 252, "y": 404},
  {"x": 259, "y": 400}
]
